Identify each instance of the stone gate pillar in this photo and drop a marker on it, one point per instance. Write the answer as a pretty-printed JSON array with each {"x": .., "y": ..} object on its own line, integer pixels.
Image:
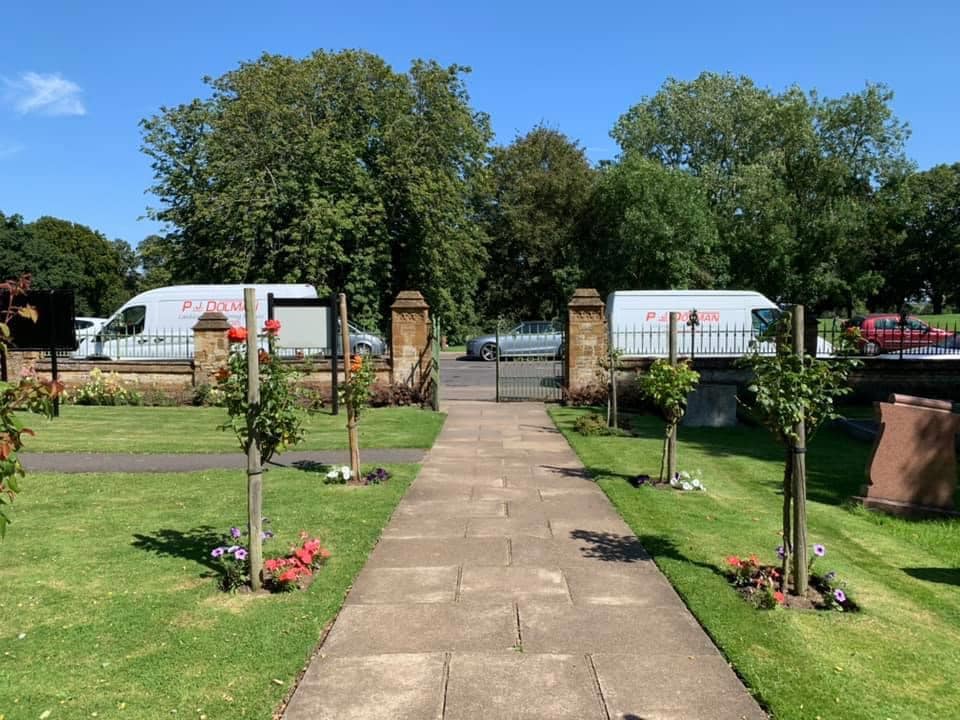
[
  {"x": 210, "y": 347},
  {"x": 586, "y": 338},
  {"x": 410, "y": 339}
]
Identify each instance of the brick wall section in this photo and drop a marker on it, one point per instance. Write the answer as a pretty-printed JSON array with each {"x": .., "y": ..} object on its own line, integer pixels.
[
  {"x": 410, "y": 330},
  {"x": 586, "y": 338},
  {"x": 211, "y": 349}
]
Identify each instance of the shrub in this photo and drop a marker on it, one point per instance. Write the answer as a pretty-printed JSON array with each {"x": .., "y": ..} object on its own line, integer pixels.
[
  {"x": 206, "y": 395},
  {"x": 596, "y": 426},
  {"x": 668, "y": 387},
  {"x": 104, "y": 389},
  {"x": 586, "y": 395},
  {"x": 278, "y": 422},
  {"x": 394, "y": 395}
]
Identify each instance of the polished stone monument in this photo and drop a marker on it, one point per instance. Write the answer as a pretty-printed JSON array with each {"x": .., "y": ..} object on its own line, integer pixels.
[{"x": 913, "y": 466}]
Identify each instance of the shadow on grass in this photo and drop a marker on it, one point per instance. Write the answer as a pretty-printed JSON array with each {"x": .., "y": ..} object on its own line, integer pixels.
[
  {"x": 194, "y": 544},
  {"x": 945, "y": 576},
  {"x": 836, "y": 463},
  {"x": 309, "y": 466}
]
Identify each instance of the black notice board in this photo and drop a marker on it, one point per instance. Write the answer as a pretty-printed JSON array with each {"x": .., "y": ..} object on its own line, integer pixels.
[{"x": 54, "y": 328}]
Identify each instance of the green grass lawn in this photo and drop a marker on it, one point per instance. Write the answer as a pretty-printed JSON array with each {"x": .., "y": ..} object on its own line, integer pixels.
[
  {"x": 899, "y": 658},
  {"x": 194, "y": 430},
  {"x": 109, "y": 608}
]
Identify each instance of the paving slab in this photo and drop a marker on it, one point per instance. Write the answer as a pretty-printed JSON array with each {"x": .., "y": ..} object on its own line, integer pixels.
[
  {"x": 590, "y": 585},
  {"x": 519, "y": 686},
  {"x": 507, "y": 527},
  {"x": 552, "y": 627},
  {"x": 695, "y": 687},
  {"x": 372, "y": 687},
  {"x": 437, "y": 552},
  {"x": 487, "y": 584},
  {"x": 506, "y": 586},
  {"x": 414, "y": 584},
  {"x": 451, "y": 508},
  {"x": 406, "y": 628}
]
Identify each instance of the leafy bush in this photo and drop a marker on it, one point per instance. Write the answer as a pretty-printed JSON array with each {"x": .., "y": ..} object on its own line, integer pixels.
[
  {"x": 104, "y": 389},
  {"x": 586, "y": 395},
  {"x": 206, "y": 395},
  {"x": 596, "y": 426},
  {"x": 394, "y": 395},
  {"x": 278, "y": 421}
]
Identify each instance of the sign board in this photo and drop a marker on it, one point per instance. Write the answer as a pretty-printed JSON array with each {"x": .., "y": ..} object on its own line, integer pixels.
[
  {"x": 304, "y": 327},
  {"x": 53, "y": 330},
  {"x": 308, "y": 325}
]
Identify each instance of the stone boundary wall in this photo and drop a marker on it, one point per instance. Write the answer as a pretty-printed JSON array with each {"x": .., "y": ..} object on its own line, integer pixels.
[{"x": 408, "y": 364}]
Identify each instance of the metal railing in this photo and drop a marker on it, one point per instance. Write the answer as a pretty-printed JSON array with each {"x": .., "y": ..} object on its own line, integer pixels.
[
  {"x": 735, "y": 341},
  {"x": 173, "y": 344}
]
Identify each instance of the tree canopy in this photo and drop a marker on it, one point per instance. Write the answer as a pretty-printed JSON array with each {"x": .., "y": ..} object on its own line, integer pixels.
[
  {"x": 333, "y": 170},
  {"x": 62, "y": 254}
]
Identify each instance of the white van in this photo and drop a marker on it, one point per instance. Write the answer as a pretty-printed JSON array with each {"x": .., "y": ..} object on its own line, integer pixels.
[
  {"x": 158, "y": 324},
  {"x": 729, "y": 320}
]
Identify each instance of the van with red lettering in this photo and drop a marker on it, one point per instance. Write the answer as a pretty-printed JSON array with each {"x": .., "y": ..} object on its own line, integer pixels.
[
  {"x": 718, "y": 323},
  {"x": 158, "y": 324}
]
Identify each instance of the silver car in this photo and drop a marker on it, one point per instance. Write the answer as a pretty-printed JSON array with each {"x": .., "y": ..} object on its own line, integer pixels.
[
  {"x": 532, "y": 338},
  {"x": 363, "y": 342}
]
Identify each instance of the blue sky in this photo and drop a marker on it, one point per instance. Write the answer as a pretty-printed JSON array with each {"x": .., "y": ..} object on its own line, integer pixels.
[{"x": 76, "y": 78}]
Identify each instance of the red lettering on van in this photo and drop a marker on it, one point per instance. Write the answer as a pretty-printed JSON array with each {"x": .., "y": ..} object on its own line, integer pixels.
[
  {"x": 651, "y": 315},
  {"x": 186, "y": 306}
]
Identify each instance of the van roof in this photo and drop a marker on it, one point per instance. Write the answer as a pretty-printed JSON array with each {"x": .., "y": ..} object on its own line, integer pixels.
[{"x": 714, "y": 293}]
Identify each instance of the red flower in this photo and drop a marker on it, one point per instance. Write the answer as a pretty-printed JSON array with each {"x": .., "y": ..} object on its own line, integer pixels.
[
  {"x": 237, "y": 334},
  {"x": 222, "y": 374},
  {"x": 356, "y": 363},
  {"x": 271, "y": 327},
  {"x": 288, "y": 576},
  {"x": 734, "y": 561},
  {"x": 778, "y": 596},
  {"x": 263, "y": 357},
  {"x": 304, "y": 556}
]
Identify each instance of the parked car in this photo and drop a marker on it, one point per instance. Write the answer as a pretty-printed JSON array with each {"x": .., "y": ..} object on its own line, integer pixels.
[
  {"x": 948, "y": 349},
  {"x": 532, "y": 338},
  {"x": 363, "y": 342},
  {"x": 882, "y": 333}
]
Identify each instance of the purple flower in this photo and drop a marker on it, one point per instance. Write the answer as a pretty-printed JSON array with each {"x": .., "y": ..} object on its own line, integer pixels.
[
  {"x": 819, "y": 550},
  {"x": 235, "y": 532},
  {"x": 266, "y": 534},
  {"x": 781, "y": 553},
  {"x": 240, "y": 554},
  {"x": 217, "y": 552},
  {"x": 840, "y": 596}
]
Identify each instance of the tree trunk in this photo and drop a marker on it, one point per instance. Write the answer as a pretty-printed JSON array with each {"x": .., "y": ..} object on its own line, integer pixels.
[
  {"x": 799, "y": 478},
  {"x": 671, "y": 451},
  {"x": 787, "y": 540},
  {"x": 254, "y": 466}
]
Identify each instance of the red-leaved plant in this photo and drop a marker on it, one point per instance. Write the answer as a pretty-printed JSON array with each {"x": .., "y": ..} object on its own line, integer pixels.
[{"x": 291, "y": 571}]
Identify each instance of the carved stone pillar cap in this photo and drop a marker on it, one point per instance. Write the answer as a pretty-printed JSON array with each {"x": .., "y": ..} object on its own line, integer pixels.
[
  {"x": 585, "y": 298},
  {"x": 212, "y": 321},
  {"x": 409, "y": 300}
]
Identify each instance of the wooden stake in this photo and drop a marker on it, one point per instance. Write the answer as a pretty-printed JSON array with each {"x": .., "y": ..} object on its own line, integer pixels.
[
  {"x": 351, "y": 411},
  {"x": 254, "y": 470},
  {"x": 799, "y": 479},
  {"x": 672, "y": 433}
]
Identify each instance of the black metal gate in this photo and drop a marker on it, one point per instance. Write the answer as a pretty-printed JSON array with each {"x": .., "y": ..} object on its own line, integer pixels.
[{"x": 530, "y": 366}]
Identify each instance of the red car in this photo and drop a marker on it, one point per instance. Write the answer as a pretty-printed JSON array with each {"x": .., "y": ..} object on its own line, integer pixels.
[{"x": 882, "y": 333}]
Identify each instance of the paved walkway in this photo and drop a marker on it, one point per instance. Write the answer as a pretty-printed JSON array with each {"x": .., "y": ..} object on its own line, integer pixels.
[
  {"x": 506, "y": 586},
  {"x": 187, "y": 462}
]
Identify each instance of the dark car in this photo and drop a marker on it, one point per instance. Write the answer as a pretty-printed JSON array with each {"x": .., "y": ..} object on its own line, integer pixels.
[{"x": 883, "y": 333}]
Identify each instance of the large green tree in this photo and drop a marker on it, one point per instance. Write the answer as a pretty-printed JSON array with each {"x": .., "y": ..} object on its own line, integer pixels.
[
  {"x": 932, "y": 246},
  {"x": 62, "y": 254},
  {"x": 791, "y": 178},
  {"x": 650, "y": 226},
  {"x": 541, "y": 189},
  {"x": 333, "y": 170}
]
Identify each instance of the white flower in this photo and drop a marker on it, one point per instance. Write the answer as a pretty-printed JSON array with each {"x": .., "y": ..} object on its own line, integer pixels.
[
  {"x": 332, "y": 475},
  {"x": 674, "y": 482},
  {"x": 687, "y": 486},
  {"x": 345, "y": 471},
  {"x": 697, "y": 484}
]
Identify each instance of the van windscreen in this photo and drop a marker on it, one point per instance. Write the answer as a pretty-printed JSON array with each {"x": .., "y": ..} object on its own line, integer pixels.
[
  {"x": 763, "y": 318},
  {"x": 129, "y": 322}
]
